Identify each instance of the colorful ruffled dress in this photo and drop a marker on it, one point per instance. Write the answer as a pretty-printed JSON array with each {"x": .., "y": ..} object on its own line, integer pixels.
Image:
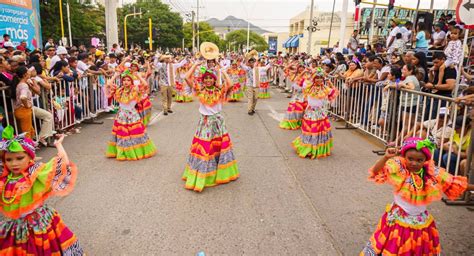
[
  {"x": 406, "y": 228},
  {"x": 183, "y": 92},
  {"x": 316, "y": 139},
  {"x": 211, "y": 160},
  {"x": 30, "y": 226},
  {"x": 237, "y": 76},
  {"x": 296, "y": 107},
  {"x": 129, "y": 138},
  {"x": 263, "y": 87},
  {"x": 144, "y": 105}
]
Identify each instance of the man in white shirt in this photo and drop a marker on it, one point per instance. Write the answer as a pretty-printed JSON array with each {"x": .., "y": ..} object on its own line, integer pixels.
[
  {"x": 82, "y": 65},
  {"x": 252, "y": 84},
  {"x": 438, "y": 37},
  {"x": 166, "y": 75},
  {"x": 392, "y": 35},
  {"x": 353, "y": 42}
]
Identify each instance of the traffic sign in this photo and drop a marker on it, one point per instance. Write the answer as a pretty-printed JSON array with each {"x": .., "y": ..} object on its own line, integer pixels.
[{"x": 465, "y": 13}]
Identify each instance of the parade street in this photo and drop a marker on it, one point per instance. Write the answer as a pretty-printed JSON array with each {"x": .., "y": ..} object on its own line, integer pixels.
[{"x": 280, "y": 205}]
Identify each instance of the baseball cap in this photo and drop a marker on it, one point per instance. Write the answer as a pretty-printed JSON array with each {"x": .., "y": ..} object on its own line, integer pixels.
[
  {"x": 8, "y": 44},
  {"x": 61, "y": 50}
]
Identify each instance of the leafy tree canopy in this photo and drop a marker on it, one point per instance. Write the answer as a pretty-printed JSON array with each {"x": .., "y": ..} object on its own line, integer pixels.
[
  {"x": 206, "y": 34},
  {"x": 239, "y": 37}
]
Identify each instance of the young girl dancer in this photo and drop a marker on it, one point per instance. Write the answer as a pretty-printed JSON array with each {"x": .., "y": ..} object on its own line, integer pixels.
[
  {"x": 298, "y": 103},
  {"x": 144, "y": 105},
  {"x": 183, "y": 90},
  {"x": 316, "y": 138},
  {"x": 30, "y": 227},
  {"x": 264, "y": 81},
  {"x": 129, "y": 139},
  {"x": 237, "y": 77},
  {"x": 211, "y": 161},
  {"x": 406, "y": 228}
]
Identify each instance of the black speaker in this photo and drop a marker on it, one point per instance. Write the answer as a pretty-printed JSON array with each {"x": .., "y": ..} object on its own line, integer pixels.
[{"x": 425, "y": 17}]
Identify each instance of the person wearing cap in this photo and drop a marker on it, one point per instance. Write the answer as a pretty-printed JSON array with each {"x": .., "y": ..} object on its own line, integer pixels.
[
  {"x": 167, "y": 74},
  {"x": 439, "y": 129},
  {"x": 406, "y": 227},
  {"x": 22, "y": 46},
  {"x": 9, "y": 46},
  {"x": 61, "y": 54},
  {"x": 438, "y": 37},
  {"x": 457, "y": 146}
]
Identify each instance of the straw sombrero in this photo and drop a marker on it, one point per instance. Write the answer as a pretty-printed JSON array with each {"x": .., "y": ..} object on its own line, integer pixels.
[{"x": 209, "y": 50}]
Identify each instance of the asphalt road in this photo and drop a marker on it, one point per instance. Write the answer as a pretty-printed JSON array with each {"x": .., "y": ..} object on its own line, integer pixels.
[{"x": 281, "y": 204}]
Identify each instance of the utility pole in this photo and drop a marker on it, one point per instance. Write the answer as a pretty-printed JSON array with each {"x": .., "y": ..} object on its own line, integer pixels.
[
  {"x": 197, "y": 10},
  {"x": 69, "y": 23},
  {"x": 330, "y": 26},
  {"x": 342, "y": 31},
  {"x": 310, "y": 32},
  {"x": 248, "y": 35},
  {"x": 61, "y": 18},
  {"x": 111, "y": 25},
  {"x": 193, "y": 14}
]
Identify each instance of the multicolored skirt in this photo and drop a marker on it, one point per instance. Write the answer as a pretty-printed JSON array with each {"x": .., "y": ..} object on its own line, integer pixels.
[
  {"x": 129, "y": 139},
  {"x": 263, "y": 92},
  {"x": 41, "y": 232},
  {"x": 211, "y": 161},
  {"x": 316, "y": 139},
  {"x": 182, "y": 94},
  {"x": 401, "y": 234},
  {"x": 294, "y": 114},
  {"x": 144, "y": 110},
  {"x": 237, "y": 93}
]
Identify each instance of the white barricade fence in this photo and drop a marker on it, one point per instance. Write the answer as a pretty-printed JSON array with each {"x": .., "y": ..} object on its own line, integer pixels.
[
  {"x": 393, "y": 115},
  {"x": 69, "y": 103}
]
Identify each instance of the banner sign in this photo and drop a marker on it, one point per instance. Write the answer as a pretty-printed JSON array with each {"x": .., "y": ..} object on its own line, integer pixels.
[
  {"x": 272, "y": 45},
  {"x": 21, "y": 20}
]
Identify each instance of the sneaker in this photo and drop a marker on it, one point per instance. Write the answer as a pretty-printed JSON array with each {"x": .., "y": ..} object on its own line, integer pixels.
[
  {"x": 165, "y": 113},
  {"x": 169, "y": 111},
  {"x": 92, "y": 115},
  {"x": 251, "y": 113},
  {"x": 357, "y": 125}
]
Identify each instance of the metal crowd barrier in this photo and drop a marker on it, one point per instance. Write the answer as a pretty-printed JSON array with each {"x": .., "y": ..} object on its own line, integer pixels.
[
  {"x": 69, "y": 103},
  {"x": 394, "y": 115}
]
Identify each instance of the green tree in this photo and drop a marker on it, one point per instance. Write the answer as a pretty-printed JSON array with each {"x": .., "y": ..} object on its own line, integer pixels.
[
  {"x": 239, "y": 37},
  {"x": 167, "y": 25},
  {"x": 86, "y": 21},
  {"x": 206, "y": 34}
]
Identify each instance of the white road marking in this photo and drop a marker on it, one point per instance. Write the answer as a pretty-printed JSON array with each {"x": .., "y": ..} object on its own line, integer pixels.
[
  {"x": 157, "y": 117},
  {"x": 274, "y": 114}
]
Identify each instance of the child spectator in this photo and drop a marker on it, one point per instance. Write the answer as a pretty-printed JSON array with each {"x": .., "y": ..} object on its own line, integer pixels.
[{"x": 453, "y": 52}]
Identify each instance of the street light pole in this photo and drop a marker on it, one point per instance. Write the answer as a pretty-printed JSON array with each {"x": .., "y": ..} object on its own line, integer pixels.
[
  {"x": 150, "y": 31},
  {"x": 310, "y": 32},
  {"x": 125, "y": 27},
  {"x": 197, "y": 10},
  {"x": 194, "y": 30},
  {"x": 61, "y": 18},
  {"x": 248, "y": 35}
]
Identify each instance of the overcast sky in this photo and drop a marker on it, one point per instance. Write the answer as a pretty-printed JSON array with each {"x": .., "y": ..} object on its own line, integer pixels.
[{"x": 273, "y": 15}]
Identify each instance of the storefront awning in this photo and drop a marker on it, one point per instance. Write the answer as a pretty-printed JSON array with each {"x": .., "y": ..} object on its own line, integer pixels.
[
  {"x": 285, "y": 44},
  {"x": 295, "y": 42}
]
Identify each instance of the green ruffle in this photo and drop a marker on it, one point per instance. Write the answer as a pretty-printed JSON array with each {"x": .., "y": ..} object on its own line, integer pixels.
[
  {"x": 183, "y": 98},
  {"x": 237, "y": 96},
  {"x": 264, "y": 95},
  {"x": 317, "y": 151},
  {"x": 221, "y": 176},
  {"x": 287, "y": 125},
  {"x": 143, "y": 151}
]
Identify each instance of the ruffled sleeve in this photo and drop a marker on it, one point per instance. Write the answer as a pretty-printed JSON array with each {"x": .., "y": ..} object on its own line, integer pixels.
[
  {"x": 392, "y": 173},
  {"x": 41, "y": 181},
  {"x": 452, "y": 186}
]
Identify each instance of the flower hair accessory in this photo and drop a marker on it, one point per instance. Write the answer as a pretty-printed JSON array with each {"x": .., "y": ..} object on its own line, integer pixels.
[
  {"x": 427, "y": 143},
  {"x": 126, "y": 73},
  {"x": 19, "y": 143},
  {"x": 426, "y": 146}
]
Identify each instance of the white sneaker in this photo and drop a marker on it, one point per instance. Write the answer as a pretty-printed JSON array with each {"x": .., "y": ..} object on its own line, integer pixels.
[{"x": 92, "y": 115}]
